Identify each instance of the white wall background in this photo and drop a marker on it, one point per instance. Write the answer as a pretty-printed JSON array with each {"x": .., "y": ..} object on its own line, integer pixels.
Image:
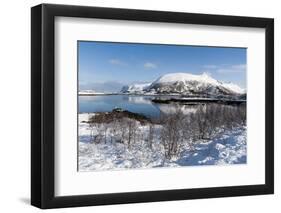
[{"x": 15, "y": 105}]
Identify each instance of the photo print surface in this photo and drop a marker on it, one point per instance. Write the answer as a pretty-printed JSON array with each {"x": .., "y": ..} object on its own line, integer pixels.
[{"x": 158, "y": 106}]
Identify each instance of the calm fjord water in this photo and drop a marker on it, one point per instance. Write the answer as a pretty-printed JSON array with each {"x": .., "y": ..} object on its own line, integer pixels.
[{"x": 106, "y": 103}]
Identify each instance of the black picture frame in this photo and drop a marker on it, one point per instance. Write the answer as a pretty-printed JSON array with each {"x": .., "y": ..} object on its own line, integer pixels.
[{"x": 43, "y": 102}]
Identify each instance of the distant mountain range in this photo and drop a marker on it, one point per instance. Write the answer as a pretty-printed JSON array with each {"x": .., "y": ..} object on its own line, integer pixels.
[{"x": 186, "y": 84}]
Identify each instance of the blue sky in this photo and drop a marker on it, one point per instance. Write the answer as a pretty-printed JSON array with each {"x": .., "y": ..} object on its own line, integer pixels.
[{"x": 106, "y": 66}]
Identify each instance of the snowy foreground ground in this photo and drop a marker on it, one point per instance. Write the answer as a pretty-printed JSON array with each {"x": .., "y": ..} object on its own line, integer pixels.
[{"x": 228, "y": 147}]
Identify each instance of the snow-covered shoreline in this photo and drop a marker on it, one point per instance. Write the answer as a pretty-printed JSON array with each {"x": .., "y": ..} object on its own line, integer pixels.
[{"x": 228, "y": 147}]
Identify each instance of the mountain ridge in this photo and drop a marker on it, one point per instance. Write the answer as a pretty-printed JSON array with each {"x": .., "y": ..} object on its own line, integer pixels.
[{"x": 186, "y": 84}]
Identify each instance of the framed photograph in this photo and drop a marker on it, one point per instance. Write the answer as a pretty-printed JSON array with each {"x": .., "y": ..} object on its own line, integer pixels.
[{"x": 139, "y": 106}]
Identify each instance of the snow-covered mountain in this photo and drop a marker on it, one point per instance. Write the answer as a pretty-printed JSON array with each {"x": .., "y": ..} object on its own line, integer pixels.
[
  {"x": 135, "y": 88},
  {"x": 186, "y": 84},
  {"x": 234, "y": 87},
  {"x": 89, "y": 92}
]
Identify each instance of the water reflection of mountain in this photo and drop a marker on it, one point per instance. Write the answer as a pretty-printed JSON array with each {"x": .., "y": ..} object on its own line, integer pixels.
[
  {"x": 140, "y": 99},
  {"x": 173, "y": 108},
  {"x": 141, "y": 104},
  {"x": 163, "y": 108}
]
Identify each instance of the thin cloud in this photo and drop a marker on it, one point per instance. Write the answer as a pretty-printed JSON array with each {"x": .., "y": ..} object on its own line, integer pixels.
[
  {"x": 116, "y": 62},
  {"x": 149, "y": 65},
  {"x": 238, "y": 68},
  {"x": 210, "y": 66}
]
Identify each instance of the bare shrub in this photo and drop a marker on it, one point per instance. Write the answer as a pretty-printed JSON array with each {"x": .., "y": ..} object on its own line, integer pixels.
[
  {"x": 189, "y": 131},
  {"x": 96, "y": 138},
  {"x": 132, "y": 130},
  {"x": 98, "y": 123},
  {"x": 151, "y": 135},
  {"x": 212, "y": 116},
  {"x": 201, "y": 120},
  {"x": 172, "y": 134},
  {"x": 178, "y": 130}
]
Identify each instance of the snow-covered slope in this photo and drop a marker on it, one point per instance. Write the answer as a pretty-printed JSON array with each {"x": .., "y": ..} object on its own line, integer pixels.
[
  {"x": 190, "y": 84},
  {"x": 176, "y": 77},
  {"x": 234, "y": 87},
  {"x": 186, "y": 84},
  {"x": 135, "y": 88},
  {"x": 226, "y": 148}
]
